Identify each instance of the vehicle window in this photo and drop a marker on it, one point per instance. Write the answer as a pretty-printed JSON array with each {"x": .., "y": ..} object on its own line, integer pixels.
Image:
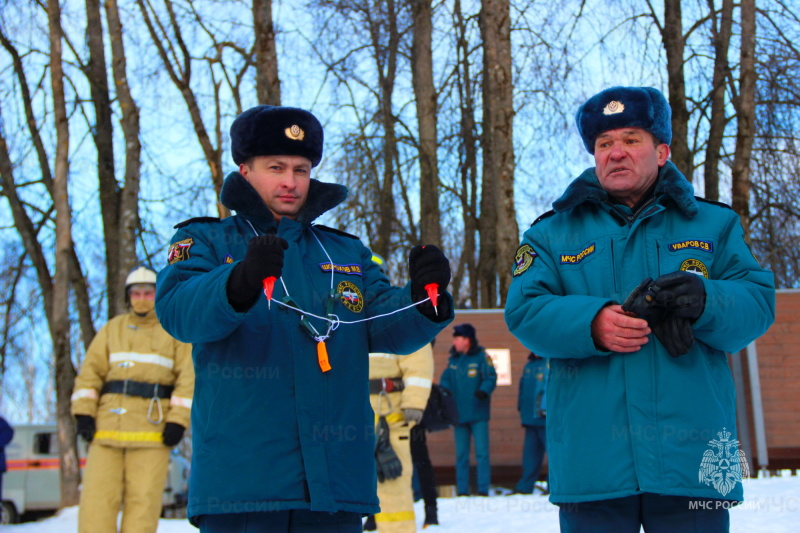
[{"x": 45, "y": 444}]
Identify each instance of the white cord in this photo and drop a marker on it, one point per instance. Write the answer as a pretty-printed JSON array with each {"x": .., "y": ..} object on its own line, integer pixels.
[{"x": 334, "y": 323}]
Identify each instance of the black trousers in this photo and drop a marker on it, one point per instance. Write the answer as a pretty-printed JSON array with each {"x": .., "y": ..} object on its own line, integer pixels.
[{"x": 423, "y": 466}]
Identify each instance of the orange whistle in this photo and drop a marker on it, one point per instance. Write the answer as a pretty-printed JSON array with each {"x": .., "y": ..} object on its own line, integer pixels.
[
  {"x": 433, "y": 293},
  {"x": 269, "y": 286},
  {"x": 322, "y": 356}
]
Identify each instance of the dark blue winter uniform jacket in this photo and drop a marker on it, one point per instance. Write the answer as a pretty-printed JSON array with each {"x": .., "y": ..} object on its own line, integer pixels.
[
  {"x": 6, "y": 434},
  {"x": 619, "y": 424},
  {"x": 465, "y": 374},
  {"x": 532, "y": 386},
  {"x": 271, "y": 431}
]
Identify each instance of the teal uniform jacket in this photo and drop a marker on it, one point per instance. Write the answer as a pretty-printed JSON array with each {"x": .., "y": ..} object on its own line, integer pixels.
[
  {"x": 532, "y": 386},
  {"x": 465, "y": 374},
  {"x": 623, "y": 423},
  {"x": 271, "y": 431}
]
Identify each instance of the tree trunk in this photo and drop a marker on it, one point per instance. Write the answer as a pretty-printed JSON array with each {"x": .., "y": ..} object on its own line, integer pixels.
[
  {"x": 268, "y": 84},
  {"x": 387, "y": 70},
  {"x": 674, "y": 44},
  {"x": 425, "y": 95},
  {"x": 498, "y": 150},
  {"x": 745, "y": 117},
  {"x": 716, "y": 129},
  {"x": 103, "y": 135},
  {"x": 127, "y": 215},
  {"x": 468, "y": 163},
  {"x": 60, "y": 327}
]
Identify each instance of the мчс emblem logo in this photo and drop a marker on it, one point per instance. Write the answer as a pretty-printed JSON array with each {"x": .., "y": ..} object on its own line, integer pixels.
[
  {"x": 351, "y": 296},
  {"x": 179, "y": 251},
  {"x": 695, "y": 267},
  {"x": 724, "y": 465},
  {"x": 523, "y": 259}
]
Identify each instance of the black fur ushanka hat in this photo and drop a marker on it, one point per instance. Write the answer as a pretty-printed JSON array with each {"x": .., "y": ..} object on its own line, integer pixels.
[
  {"x": 625, "y": 107},
  {"x": 273, "y": 130}
]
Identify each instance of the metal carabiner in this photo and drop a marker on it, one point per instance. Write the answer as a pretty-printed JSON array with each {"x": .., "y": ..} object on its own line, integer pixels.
[{"x": 157, "y": 401}]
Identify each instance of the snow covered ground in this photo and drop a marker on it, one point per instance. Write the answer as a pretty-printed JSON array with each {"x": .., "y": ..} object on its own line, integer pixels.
[{"x": 773, "y": 506}]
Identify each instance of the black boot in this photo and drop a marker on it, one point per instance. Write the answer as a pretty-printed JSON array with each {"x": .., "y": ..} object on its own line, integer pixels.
[
  {"x": 431, "y": 517},
  {"x": 369, "y": 525}
]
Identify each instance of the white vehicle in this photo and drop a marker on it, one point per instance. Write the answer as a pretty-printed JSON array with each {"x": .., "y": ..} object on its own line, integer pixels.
[{"x": 32, "y": 480}]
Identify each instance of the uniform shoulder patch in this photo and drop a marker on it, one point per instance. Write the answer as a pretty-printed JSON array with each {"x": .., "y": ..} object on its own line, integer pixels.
[
  {"x": 179, "y": 251},
  {"x": 490, "y": 361},
  {"x": 714, "y": 202},
  {"x": 335, "y": 231},
  {"x": 523, "y": 259},
  {"x": 185, "y": 223},
  {"x": 543, "y": 216}
]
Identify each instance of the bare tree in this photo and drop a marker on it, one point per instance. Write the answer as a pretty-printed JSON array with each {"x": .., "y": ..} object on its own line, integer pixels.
[
  {"x": 499, "y": 232},
  {"x": 60, "y": 327},
  {"x": 177, "y": 61},
  {"x": 674, "y": 43},
  {"x": 721, "y": 34},
  {"x": 745, "y": 116},
  {"x": 268, "y": 84},
  {"x": 425, "y": 96}
]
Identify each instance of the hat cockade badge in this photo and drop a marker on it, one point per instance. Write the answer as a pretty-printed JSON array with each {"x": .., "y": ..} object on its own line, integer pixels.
[
  {"x": 613, "y": 107},
  {"x": 295, "y": 133}
]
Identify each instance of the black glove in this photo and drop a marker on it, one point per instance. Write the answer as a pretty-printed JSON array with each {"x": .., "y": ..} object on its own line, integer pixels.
[
  {"x": 264, "y": 258},
  {"x": 683, "y": 293},
  {"x": 86, "y": 427},
  {"x": 675, "y": 333},
  {"x": 386, "y": 461},
  {"x": 428, "y": 264},
  {"x": 481, "y": 395},
  {"x": 173, "y": 433},
  {"x": 643, "y": 303}
]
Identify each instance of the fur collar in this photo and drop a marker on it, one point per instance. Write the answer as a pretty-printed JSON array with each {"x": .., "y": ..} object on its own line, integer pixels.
[
  {"x": 238, "y": 195},
  {"x": 671, "y": 183}
]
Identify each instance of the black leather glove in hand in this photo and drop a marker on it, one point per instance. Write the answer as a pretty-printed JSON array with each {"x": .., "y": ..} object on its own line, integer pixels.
[
  {"x": 173, "y": 433},
  {"x": 264, "y": 258},
  {"x": 481, "y": 395},
  {"x": 85, "y": 427},
  {"x": 428, "y": 264},
  {"x": 386, "y": 461},
  {"x": 675, "y": 333},
  {"x": 683, "y": 293},
  {"x": 643, "y": 303}
]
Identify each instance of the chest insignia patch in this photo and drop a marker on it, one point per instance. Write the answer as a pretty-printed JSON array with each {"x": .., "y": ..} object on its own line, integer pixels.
[
  {"x": 351, "y": 296},
  {"x": 472, "y": 372},
  {"x": 351, "y": 270},
  {"x": 523, "y": 259},
  {"x": 570, "y": 259},
  {"x": 228, "y": 259},
  {"x": 695, "y": 266},
  {"x": 693, "y": 244},
  {"x": 179, "y": 251}
]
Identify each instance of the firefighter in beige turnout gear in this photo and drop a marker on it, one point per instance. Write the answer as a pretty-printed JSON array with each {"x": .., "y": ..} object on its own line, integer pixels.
[
  {"x": 399, "y": 390},
  {"x": 132, "y": 401}
]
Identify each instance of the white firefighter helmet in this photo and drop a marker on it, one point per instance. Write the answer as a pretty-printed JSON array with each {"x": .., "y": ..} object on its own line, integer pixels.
[{"x": 140, "y": 275}]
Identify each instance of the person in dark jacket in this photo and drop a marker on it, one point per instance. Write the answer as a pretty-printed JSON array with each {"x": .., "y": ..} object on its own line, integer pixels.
[
  {"x": 471, "y": 377},
  {"x": 635, "y": 289},
  {"x": 532, "y": 412},
  {"x": 282, "y": 315},
  {"x": 6, "y": 434}
]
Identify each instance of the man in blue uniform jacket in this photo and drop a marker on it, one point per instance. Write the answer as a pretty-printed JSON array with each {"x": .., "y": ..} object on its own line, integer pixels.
[
  {"x": 282, "y": 426},
  {"x": 532, "y": 412},
  {"x": 641, "y": 420},
  {"x": 471, "y": 377}
]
